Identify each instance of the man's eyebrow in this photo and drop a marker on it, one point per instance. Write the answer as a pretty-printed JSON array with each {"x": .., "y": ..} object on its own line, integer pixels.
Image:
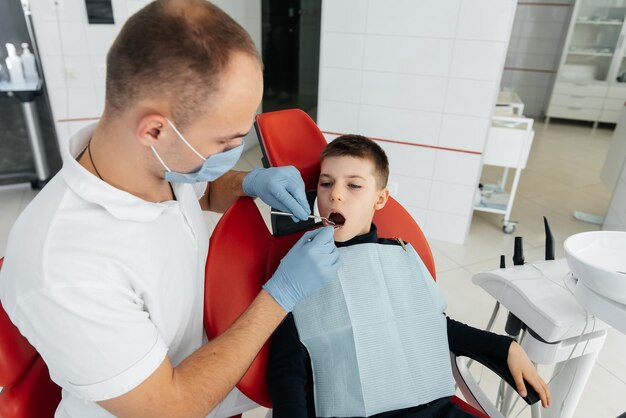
[{"x": 233, "y": 136}]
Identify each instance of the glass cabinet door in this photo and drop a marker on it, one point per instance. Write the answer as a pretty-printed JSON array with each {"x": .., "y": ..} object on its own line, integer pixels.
[{"x": 596, "y": 38}]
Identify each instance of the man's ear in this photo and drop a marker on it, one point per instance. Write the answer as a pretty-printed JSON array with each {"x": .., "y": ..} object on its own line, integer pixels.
[
  {"x": 150, "y": 129},
  {"x": 383, "y": 196}
]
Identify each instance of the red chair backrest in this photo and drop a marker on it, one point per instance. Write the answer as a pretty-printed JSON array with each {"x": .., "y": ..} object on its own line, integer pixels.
[
  {"x": 243, "y": 254},
  {"x": 16, "y": 354},
  {"x": 291, "y": 137},
  {"x": 28, "y": 390}
]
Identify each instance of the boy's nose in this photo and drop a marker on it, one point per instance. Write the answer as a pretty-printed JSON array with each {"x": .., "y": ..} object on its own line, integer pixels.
[{"x": 335, "y": 194}]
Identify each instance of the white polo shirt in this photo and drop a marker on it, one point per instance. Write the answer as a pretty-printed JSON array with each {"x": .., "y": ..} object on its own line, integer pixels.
[{"x": 104, "y": 284}]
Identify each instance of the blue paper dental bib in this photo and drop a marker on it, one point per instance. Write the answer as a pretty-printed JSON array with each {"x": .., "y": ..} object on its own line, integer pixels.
[{"x": 376, "y": 334}]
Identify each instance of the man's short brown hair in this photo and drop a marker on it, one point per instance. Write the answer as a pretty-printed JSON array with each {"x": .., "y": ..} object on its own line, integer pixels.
[
  {"x": 359, "y": 146},
  {"x": 175, "y": 51}
]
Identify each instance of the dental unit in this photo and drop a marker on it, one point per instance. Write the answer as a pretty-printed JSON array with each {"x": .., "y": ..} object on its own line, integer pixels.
[{"x": 563, "y": 309}]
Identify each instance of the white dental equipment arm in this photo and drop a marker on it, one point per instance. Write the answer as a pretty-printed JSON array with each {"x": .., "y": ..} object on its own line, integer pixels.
[{"x": 562, "y": 311}]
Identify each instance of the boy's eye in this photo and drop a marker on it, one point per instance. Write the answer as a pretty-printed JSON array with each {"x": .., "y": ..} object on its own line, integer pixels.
[
  {"x": 354, "y": 186},
  {"x": 325, "y": 184}
]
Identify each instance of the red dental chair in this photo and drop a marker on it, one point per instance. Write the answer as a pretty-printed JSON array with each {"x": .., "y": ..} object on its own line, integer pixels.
[
  {"x": 243, "y": 254},
  {"x": 28, "y": 391}
]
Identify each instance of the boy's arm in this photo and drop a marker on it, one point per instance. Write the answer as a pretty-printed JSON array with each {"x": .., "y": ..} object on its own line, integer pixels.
[
  {"x": 288, "y": 372},
  {"x": 502, "y": 355},
  {"x": 465, "y": 340}
]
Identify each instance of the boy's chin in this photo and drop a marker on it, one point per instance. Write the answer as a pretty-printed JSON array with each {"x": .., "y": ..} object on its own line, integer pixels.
[{"x": 343, "y": 235}]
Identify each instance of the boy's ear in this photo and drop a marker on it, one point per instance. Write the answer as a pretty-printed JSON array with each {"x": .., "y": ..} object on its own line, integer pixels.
[{"x": 383, "y": 196}]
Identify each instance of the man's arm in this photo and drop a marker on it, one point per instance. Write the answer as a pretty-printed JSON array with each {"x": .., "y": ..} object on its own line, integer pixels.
[
  {"x": 204, "y": 378},
  {"x": 223, "y": 192}
]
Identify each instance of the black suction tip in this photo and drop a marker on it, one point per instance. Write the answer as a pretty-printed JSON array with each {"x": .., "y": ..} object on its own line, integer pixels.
[
  {"x": 502, "y": 262},
  {"x": 518, "y": 252},
  {"x": 549, "y": 240}
]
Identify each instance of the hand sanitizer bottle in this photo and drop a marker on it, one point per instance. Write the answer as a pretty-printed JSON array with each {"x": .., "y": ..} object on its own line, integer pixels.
[
  {"x": 14, "y": 65},
  {"x": 28, "y": 62}
]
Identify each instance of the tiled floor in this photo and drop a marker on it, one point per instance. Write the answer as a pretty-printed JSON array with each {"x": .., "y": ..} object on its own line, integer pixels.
[{"x": 563, "y": 175}]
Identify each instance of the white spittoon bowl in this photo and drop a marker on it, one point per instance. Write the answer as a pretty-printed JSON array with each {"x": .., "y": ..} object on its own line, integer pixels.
[{"x": 598, "y": 259}]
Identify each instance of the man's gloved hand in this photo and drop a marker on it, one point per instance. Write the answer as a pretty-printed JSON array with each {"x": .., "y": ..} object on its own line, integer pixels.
[
  {"x": 309, "y": 265},
  {"x": 280, "y": 187}
]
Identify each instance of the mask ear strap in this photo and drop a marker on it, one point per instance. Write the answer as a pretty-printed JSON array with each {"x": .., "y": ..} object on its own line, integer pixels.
[
  {"x": 156, "y": 154},
  {"x": 184, "y": 140}
]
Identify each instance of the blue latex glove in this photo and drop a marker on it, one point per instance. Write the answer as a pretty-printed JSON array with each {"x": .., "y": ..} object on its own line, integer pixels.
[
  {"x": 280, "y": 187},
  {"x": 308, "y": 266}
]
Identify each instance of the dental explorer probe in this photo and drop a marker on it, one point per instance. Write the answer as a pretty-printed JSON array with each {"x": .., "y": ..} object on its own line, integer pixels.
[{"x": 275, "y": 212}]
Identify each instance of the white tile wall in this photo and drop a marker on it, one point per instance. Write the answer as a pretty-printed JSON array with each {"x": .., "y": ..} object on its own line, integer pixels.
[
  {"x": 410, "y": 190},
  {"x": 347, "y": 51},
  {"x": 341, "y": 85},
  {"x": 338, "y": 116},
  {"x": 416, "y": 162},
  {"x": 428, "y": 19},
  {"x": 457, "y": 167},
  {"x": 406, "y": 125},
  {"x": 404, "y": 91},
  {"x": 425, "y": 56},
  {"x": 423, "y": 75},
  {"x": 101, "y": 37},
  {"x": 73, "y": 11},
  {"x": 471, "y": 97},
  {"x": 478, "y": 60},
  {"x": 463, "y": 132},
  {"x": 344, "y": 16},
  {"x": 450, "y": 198},
  {"x": 445, "y": 226},
  {"x": 73, "y": 52}
]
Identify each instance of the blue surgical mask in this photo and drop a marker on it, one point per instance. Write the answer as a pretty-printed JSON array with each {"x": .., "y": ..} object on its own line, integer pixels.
[{"x": 213, "y": 166}]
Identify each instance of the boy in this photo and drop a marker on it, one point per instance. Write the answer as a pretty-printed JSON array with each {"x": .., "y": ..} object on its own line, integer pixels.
[{"x": 375, "y": 341}]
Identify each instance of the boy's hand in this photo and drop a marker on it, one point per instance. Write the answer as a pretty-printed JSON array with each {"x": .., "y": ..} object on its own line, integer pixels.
[{"x": 521, "y": 368}]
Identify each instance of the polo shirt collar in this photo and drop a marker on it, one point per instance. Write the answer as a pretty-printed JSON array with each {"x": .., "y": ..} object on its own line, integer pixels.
[{"x": 120, "y": 204}]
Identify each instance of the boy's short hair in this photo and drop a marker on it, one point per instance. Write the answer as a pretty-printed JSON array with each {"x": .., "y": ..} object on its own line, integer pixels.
[
  {"x": 359, "y": 146},
  {"x": 173, "y": 50}
]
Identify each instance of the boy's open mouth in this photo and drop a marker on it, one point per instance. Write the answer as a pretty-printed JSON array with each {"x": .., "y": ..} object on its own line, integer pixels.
[{"x": 337, "y": 218}]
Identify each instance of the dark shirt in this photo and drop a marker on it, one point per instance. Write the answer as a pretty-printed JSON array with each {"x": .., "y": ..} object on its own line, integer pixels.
[{"x": 290, "y": 376}]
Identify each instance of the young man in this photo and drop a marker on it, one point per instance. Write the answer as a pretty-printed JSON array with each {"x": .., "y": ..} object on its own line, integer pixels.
[
  {"x": 375, "y": 341},
  {"x": 104, "y": 270}
]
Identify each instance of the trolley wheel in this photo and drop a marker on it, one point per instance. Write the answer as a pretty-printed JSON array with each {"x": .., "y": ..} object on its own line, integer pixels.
[{"x": 508, "y": 228}]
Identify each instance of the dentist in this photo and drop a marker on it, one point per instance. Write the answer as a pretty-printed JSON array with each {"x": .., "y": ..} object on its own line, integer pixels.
[{"x": 104, "y": 270}]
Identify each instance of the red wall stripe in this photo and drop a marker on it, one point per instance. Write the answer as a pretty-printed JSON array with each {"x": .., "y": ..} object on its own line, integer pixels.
[
  {"x": 532, "y": 70},
  {"x": 544, "y": 4},
  {"x": 76, "y": 119},
  {"x": 393, "y": 141}
]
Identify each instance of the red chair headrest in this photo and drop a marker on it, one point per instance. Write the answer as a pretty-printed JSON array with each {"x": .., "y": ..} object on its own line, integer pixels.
[
  {"x": 16, "y": 354},
  {"x": 291, "y": 137}
]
